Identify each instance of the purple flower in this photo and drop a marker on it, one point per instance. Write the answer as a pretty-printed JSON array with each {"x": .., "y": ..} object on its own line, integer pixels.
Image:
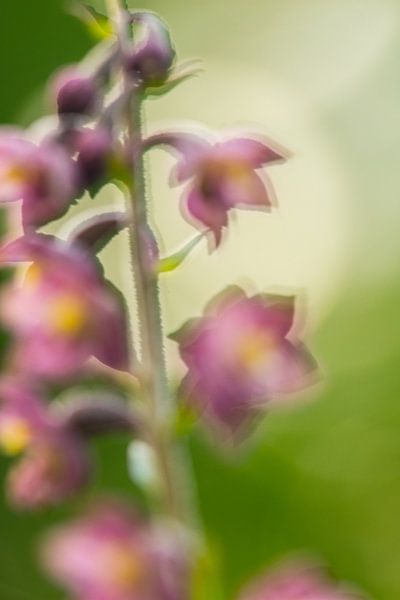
[
  {"x": 241, "y": 354},
  {"x": 297, "y": 582},
  {"x": 55, "y": 462},
  {"x": 223, "y": 176},
  {"x": 43, "y": 177},
  {"x": 111, "y": 554},
  {"x": 63, "y": 312}
]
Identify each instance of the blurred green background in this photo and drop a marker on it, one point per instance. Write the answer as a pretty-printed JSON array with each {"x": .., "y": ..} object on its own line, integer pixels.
[{"x": 322, "y": 77}]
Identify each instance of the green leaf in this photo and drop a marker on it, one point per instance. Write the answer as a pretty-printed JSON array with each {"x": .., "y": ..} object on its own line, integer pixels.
[
  {"x": 173, "y": 261},
  {"x": 98, "y": 25}
]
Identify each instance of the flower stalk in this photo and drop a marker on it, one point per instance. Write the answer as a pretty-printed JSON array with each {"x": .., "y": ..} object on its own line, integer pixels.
[
  {"x": 144, "y": 254},
  {"x": 68, "y": 324}
]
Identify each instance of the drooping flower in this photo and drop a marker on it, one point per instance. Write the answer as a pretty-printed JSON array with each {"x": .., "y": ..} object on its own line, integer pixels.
[
  {"x": 223, "y": 175},
  {"x": 111, "y": 554},
  {"x": 151, "y": 56},
  {"x": 241, "y": 354},
  {"x": 297, "y": 582},
  {"x": 43, "y": 177},
  {"x": 63, "y": 312},
  {"x": 55, "y": 462}
]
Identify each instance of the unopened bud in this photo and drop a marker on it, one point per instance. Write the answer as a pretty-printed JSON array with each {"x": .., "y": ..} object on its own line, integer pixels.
[
  {"x": 94, "y": 147},
  {"x": 152, "y": 53},
  {"x": 75, "y": 93}
]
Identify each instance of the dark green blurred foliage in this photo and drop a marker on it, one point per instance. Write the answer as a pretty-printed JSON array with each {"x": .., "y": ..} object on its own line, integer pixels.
[{"x": 324, "y": 477}]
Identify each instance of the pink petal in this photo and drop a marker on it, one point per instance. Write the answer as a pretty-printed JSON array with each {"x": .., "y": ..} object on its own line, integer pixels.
[
  {"x": 244, "y": 191},
  {"x": 212, "y": 214},
  {"x": 256, "y": 152}
]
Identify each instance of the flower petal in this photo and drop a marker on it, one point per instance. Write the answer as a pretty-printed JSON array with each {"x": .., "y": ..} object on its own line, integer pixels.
[
  {"x": 213, "y": 215},
  {"x": 257, "y": 152}
]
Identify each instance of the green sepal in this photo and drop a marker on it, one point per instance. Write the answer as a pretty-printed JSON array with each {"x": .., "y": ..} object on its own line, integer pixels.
[
  {"x": 173, "y": 261},
  {"x": 185, "y": 419},
  {"x": 119, "y": 171},
  {"x": 183, "y": 72}
]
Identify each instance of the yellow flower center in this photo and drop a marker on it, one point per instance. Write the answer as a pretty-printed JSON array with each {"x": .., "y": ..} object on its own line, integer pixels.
[
  {"x": 68, "y": 315},
  {"x": 254, "y": 349},
  {"x": 217, "y": 172},
  {"x": 14, "y": 173},
  {"x": 122, "y": 567},
  {"x": 236, "y": 169},
  {"x": 33, "y": 275},
  {"x": 15, "y": 435}
]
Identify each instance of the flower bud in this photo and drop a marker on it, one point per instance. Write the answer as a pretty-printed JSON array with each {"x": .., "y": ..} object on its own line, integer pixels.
[
  {"x": 94, "y": 147},
  {"x": 75, "y": 93},
  {"x": 152, "y": 54}
]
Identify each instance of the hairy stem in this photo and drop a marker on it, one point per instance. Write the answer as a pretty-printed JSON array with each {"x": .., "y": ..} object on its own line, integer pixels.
[{"x": 144, "y": 253}]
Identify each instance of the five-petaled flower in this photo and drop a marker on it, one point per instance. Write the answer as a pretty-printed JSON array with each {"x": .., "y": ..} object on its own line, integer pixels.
[
  {"x": 42, "y": 176},
  {"x": 297, "y": 581},
  {"x": 223, "y": 175},
  {"x": 63, "y": 312},
  {"x": 241, "y": 354},
  {"x": 111, "y": 554},
  {"x": 55, "y": 462}
]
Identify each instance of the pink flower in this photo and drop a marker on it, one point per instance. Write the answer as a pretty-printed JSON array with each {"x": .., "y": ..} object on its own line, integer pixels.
[
  {"x": 110, "y": 554},
  {"x": 297, "y": 582},
  {"x": 241, "y": 354},
  {"x": 43, "y": 177},
  {"x": 223, "y": 175},
  {"x": 63, "y": 312},
  {"x": 55, "y": 462}
]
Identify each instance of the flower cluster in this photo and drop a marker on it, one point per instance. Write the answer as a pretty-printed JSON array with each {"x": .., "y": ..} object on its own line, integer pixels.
[
  {"x": 67, "y": 322},
  {"x": 110, "y": 554}
]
